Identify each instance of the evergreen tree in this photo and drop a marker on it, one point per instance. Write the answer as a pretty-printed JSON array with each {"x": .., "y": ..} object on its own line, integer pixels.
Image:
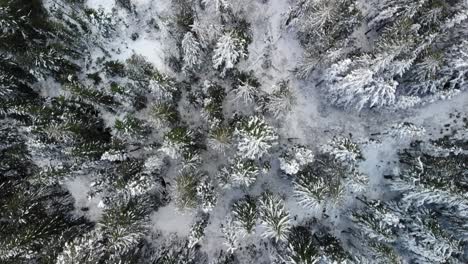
[
  {"x": 281, "y": 101},
  {"x": 192, "y": 52},
  {"x": 245, "y": 214},
  {"x": 207, "y": 195},
  {"x": 255, "y": 137},
  {"x": 231, "y": 235},
  {"x": 243, "y": 172},
  {"x": 321, "y": 182},
  {"x": 186, "y": 189},
  {"x": 197, "y": 231},
  {"x": 301, "y": 249},
  {"x": 274, "y": 217},
  {"x": 229, "y": 49},
  {"x": 294, "y": 159},
  {"x": 324, "y": 28},
  {"x": 244, "y": 93}
]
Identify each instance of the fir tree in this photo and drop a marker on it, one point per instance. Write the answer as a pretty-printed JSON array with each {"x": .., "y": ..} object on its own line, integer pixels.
[
  {"x": 243, "y": 172},
  {"x": 321, "y": 182},
  {"x": 231, "y": 235},
  {"x": 228, "y": 51},
  {"x": 197, "y": 231},
  {"x": 301, "y": 249},
  {"x": 255, "y": 137},
  {"x": 245, "y": 214},
  {"x": 274, "y": 217},
  {"x": 192, "y": 52},
  {"x": 294, "y": 159},
  {"x": 186, "y": 189}
]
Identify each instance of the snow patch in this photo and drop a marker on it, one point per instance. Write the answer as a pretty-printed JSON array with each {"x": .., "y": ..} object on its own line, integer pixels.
[
  {"x": 107, "y": 5},
  {"x": 79, "y": 188},
  {"x": 169, "y": 220}
]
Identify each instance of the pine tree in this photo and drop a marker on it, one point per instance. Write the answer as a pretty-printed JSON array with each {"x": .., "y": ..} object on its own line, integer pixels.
[
  {"x": 186, "y": 189},
  {"x": 197, "y": 231},
  {"x": 178, "y": 140},
  {"x": 207, "y": 194},
  {"x": 217, "y": 5},
  {"x": 192, "y": 52},
  {"x": 320, "y": 183},
  {"x": 228, "y": 51},
  {"x": 281, "y": 101},
  {"x": 256, "y": 137},
  {"x": 245, "y": 214},
  {"x": 243, "y": 172},
  {"x": 324, "y": 28},
  {"x": 411, "y": 29},
  {"x": 274, "y": 217},
  {"x": 429, "y": 179},
  {"x": 294, "y": 159},
  {"x": 244, "y": 93},
  {"x": 344, "y": 150},
  {"x": 429, "y": 242},
  {"x": 301, "y": 249},
  {"x": 220, "y": 139},
  {"x": 407, "y": 130},
  {"x": 231, "y": 235},
  {"x": 87, "y": 249},
  {"x": 213, "y": 97}
]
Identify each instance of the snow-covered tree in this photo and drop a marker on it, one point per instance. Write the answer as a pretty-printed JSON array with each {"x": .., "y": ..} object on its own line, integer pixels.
[
  {"x": 301, "y": 249},
  {"x": 229, "y": 49},
  {"x": 407, "y": 130},
  {"x": 192, "y": 52},
  {"x": 220, "y": 139},
  {"x": 207, "y": 195},
  {"x": 231, "y": 235},
  {"x": 294, "y": 159},
  {"x": 430, "y": 179},
  {"x": 197, "y": 231},
  {"x": 255, "y": 137},
  {"x": 344, "y": 149},
  {"x": 245, "y": 93},
  {"x": 281, "y": 101},
  {"x": 320, "y": 183},
  {"x": 243, "y": 172},
  {"x": 245, "y": 214},
  {"x": 123, "y": 226},
  {"x": 274, "y": 217},
  {"x": 324, "y": 28},
  {"x": 177, "y": 141},
  {"x": 429, "y": 242},
  {"x": 186, "y": 185},
  {"x": 83, "y": 249},
  {"x": 217, "y": 5}
]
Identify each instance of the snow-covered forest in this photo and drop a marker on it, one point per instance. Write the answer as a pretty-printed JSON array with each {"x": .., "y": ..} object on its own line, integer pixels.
[{"x": 233, "y": 131}]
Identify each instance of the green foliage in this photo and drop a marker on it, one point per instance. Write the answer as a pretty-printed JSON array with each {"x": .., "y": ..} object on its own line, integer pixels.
[
  {"x": 213, "y": 104},
  {"x": 90, "y": 93},
  {"x": 180, "y": 135},
  {"x": 245, "y": 213},
  {"x": 130, "y": 125},
  {"x": 301, "y": 248},
  {"x": 165, "y": 112},
  {"x": 320, "y": 182},
  {"x": 115, "y": 68},
  {"x": 36, "y": 221},
  {"x": 186, "y": 189}
]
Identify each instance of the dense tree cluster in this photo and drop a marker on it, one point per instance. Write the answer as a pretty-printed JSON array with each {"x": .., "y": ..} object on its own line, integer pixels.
[{"x": 97, "y": 144}]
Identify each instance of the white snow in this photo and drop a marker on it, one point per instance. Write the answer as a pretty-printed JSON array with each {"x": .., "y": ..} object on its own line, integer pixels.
[
  {"x": 79, "y": 188},
  {"x": 107, "y": 5},
  {"x": 169, "y": 219}
]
